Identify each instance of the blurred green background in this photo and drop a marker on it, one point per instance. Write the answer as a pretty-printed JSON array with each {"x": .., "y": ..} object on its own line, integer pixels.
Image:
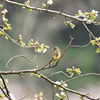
[{"x": 40, "y": 27}]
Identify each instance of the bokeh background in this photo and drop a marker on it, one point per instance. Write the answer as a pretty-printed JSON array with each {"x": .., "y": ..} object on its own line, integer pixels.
[{"x": 41, "y": 27}]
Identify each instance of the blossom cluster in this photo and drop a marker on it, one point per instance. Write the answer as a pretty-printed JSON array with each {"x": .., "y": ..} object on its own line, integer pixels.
[
  {"x": 73, "y": 70},
  {"x": 62, "y": 94},
  {"x": 96, "y": 42},
  {"x": 6, "y": 25},
  {"x": 87, "y": 16},
  {"x": 39, "y": 48},
  {"x": 69, "y": 23}
]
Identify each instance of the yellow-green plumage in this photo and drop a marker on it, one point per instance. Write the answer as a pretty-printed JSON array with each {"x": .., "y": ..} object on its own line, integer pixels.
[{"x": 55, "y": 56}]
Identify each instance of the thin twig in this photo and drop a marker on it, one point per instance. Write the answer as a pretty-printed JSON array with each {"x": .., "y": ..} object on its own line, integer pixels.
[
  {"x": 82, "y": 76},
  {"x": 58, "y": 73},
  {"x": 97, "y": 22},
  {"x": 67, "y": 95},
  {"x": 53, "y": 92},
  {"x": 24, "y": 97},
  {"x": 64, "y": 6},
  {"x": 17, "y": 56},
  {"x": 89, "y": 31},
  {"x": 53, "y": 17},
  {"x": 48, "y": 7},
  {"x": 83, "y": 45}
]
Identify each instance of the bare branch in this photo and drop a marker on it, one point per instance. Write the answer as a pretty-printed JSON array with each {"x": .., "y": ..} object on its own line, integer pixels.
[
  {"x": 67, "y": 95},
  {"x": 64, "y": 6},
  {"x": 58, "y": 73},
  {"x": 24, "y": 97},
  {"x": 53, "y": 92},
  {"x": 82, "y": 46},
  {"x": 17, "y": 56},
  {"x": 82, "y": 76},
  {"x": 89, "y": 31}
]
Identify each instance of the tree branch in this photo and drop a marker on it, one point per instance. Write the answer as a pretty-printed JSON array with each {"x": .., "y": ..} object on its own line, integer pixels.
[
  {"x": 88, "y": 30},
  {"x": 17, "y": 56},
  {"x": 47, "y": 10},
  {"x": 50, "y": 81},
  {"x": 58, "y": 73},
  {"x": 5, "y": 93},
  {"x": 78, "y": 46},
  {"x": 14, "y": 41},
  {"x": 64, "y": 6},
  {"x": 82, "y": 76}
]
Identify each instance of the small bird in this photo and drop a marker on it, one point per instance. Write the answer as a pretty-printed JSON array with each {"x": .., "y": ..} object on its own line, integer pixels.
[{"x": 55, "y": 55}]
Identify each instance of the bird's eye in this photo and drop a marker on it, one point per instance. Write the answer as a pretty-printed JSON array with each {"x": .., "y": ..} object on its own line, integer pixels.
[{"x": 54, "y": 48}]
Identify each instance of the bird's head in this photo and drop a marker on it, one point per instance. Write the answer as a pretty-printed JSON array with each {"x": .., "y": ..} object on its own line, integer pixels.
[{"x": 56, "y": 49}]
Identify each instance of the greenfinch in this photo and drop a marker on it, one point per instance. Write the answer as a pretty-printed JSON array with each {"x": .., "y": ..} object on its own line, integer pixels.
[{"x": 55, "y": 55}]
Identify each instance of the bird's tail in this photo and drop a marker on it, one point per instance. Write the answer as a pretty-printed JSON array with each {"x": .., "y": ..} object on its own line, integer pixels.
[{"x": 50, "y": 62}]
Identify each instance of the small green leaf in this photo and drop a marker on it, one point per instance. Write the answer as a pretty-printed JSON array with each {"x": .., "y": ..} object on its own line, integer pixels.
[
  {"x": 2, "y": 96},
  {"x": 37, "y": 75},
  {"x": 21, "y": 73},
  {"x": 70, "y": 73},
  {"x": 2, "y": 84},
  {"x": 1, "y": 5},
  {"x": 37, "y": 66},
  {"x": 6, "y": 37},
  {"x": 30, "y": 10},
  {"x": 98, "y": 50},
  {"x": 80, "y": 96}
]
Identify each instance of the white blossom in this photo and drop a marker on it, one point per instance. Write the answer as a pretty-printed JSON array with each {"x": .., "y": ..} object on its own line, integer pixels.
[
  {"x": 4, "y": 19},
  {"x": 50, "y": 2},
  {"x": 89, "y": 22},
  {"x": 6, "y": 80},
  {"x": 85, "y": 19},
  {"x": 44, "y": 50},
  {"x": 96, "y": 12},
  {"x": 5, "y": 10},
  {"x": 93, "y": 11},
  {"x": 62, "y": 93},
  {"x": 0, "y": 80},
  {"x": 80, "y": 12},
  {"x": 12, "y": 96},
  {"x": 57, "y": 82},
  {"x": 57, "y": 94},
  {"x": 65, "y": 85}
]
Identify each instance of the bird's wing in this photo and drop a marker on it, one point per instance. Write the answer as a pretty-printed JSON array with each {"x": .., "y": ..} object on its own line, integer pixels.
[{"x": 53, "y": 56}]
